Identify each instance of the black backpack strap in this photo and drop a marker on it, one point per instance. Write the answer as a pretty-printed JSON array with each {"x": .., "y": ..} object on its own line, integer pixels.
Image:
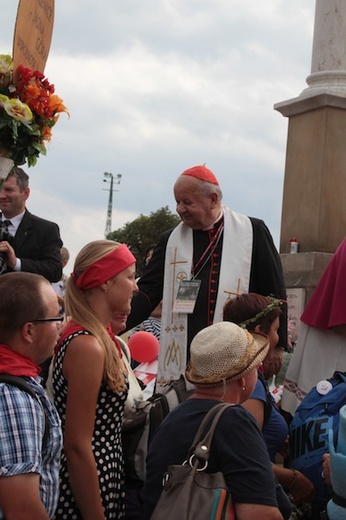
[
  {"x": 20, "y": 383},
  {"x": 269, "y": 404}
]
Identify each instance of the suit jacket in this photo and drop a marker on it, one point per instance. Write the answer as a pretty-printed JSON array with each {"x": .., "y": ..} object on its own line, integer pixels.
[
  {"x": 266, "y": 278},
  {"x": 37, "y": 243}
]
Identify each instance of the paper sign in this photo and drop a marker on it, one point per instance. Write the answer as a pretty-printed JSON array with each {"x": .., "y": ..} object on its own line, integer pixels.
[
  {"x": 33, "y": 34},
  {"x": 146, "y": 372}
]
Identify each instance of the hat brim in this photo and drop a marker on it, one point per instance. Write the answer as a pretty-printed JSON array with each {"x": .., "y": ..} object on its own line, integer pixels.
[{"x": 255, "y": 354}]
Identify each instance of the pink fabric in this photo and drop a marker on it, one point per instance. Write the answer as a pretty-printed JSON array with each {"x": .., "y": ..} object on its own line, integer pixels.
[{"x": 327, "y": 305}]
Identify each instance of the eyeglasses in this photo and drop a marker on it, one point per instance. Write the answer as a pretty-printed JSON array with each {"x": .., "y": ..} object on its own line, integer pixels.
[{"x": 42, "y": 320}]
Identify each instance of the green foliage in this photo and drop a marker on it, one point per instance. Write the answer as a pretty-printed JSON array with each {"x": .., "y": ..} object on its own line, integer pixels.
[{"x": 144, "y": 231}]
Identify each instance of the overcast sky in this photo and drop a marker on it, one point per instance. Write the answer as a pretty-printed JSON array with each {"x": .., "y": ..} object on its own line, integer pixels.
[{"x": 157, "y": 86}]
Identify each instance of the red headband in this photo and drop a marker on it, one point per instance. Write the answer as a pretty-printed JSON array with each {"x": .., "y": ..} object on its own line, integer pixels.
[{"x": 105, "y": 268}]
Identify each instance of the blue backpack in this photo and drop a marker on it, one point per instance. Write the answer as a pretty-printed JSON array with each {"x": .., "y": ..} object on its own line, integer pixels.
[{"x": 309, "y": 432}]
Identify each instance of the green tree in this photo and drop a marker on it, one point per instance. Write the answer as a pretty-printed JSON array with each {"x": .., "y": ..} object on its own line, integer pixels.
[{"x": 143, "y": 232}]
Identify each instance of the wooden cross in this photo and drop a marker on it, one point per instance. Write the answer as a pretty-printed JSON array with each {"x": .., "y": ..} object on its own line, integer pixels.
[{"x": 234, "y": 293}]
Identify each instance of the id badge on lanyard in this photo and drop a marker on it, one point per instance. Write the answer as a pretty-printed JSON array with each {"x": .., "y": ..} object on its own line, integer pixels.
[{"x": 186, "y": 296}]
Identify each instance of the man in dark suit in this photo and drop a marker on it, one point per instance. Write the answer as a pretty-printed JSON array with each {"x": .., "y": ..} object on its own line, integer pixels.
[{"x": 29, "y": 243}]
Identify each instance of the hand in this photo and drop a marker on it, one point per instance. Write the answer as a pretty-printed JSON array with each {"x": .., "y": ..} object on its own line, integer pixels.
[
  {"x": 8, "y": 250},
  {"x": 326, "y": 469},
  {"x": 303, "y": 489},
  {"x": 285, "y": 448}
]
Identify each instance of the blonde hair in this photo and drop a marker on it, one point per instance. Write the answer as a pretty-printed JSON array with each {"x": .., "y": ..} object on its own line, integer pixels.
[{"x": 78, "y": 307}]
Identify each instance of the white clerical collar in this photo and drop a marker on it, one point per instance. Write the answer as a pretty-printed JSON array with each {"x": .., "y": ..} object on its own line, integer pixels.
[{"x": 213, "y": 224}]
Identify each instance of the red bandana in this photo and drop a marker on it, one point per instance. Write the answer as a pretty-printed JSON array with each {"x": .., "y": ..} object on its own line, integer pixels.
[{"x": 15, "y": 364}]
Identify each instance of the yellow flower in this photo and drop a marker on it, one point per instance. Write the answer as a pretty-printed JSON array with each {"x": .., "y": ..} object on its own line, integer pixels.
[
  {"x": 3, "y": 99},
  {"x": 6, "y": 64},
  {"x": 18, "y": 110}
]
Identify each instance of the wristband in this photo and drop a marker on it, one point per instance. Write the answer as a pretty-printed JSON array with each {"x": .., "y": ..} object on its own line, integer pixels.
[{"x": 294, "y": 480}]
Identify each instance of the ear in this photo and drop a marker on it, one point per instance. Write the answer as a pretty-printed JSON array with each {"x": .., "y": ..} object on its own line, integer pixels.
[
  {"x": 214, "y": 199},
  {"x": 28, "y": 333},
  {"x": 258, "y": 328},
  {"x": 242, "y": 382},
  {"x": 104, "y": 286},
  {"x": 26, "y": 193}
]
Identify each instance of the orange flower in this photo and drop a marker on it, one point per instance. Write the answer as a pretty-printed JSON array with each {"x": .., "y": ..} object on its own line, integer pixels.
[
  {"x": 56, "y": 104},
  {"x": 46, "y": 133}
]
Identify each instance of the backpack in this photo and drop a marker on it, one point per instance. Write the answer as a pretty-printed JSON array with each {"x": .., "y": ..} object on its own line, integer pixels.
[
  {"x": 309, "y": 432},
  {"x": 139, "y": 428}
]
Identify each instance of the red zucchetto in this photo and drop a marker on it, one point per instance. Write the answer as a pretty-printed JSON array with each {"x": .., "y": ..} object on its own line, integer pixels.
[{"x": 202, "y": 173}]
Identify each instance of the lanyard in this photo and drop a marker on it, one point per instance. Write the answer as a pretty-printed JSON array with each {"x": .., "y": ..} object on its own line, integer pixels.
[{"x": 209, "y": 250}]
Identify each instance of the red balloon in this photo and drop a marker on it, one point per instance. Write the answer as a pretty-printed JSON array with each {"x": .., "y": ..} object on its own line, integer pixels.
[{"x": 144, "y": 347}]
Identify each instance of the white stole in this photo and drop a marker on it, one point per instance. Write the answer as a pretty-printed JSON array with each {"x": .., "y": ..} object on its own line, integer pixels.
[{"x": 234, "y": 278}]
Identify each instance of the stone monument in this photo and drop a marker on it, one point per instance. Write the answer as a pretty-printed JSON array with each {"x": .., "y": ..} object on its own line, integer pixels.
[{"x": 314, "y": 208}]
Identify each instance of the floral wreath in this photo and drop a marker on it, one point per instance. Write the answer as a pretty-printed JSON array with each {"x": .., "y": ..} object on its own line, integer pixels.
[{"x": 275, "y": 303}]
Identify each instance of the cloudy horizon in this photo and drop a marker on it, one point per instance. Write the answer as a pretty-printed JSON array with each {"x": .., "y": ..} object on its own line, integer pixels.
[{"x": 154, "y": 88}]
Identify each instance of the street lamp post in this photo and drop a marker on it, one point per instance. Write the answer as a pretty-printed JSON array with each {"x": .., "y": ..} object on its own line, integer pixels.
[{"x": 114, "y": 179}]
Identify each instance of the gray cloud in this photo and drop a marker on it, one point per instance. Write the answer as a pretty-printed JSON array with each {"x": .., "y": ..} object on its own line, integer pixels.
[{"x": 156, "y": 87}]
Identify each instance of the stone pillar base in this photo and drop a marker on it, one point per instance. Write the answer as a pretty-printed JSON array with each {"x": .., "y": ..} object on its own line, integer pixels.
[{"x": 302, "y": 272}]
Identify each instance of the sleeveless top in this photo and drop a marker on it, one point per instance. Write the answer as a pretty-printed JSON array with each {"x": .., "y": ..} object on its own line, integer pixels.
[{"x": 106, "y": 444}]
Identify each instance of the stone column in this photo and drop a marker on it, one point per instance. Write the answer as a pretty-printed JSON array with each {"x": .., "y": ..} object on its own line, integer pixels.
[
  {"x": 328, "y": 64},
  {"x": 314, "y": 199},
  {"x": 314, "y": 208}
]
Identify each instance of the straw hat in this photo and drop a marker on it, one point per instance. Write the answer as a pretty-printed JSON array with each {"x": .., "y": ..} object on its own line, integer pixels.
[{"x": 224, "y": 351}]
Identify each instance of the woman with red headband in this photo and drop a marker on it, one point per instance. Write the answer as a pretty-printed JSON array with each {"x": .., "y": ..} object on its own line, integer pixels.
[{"x": 90, "y": 383}]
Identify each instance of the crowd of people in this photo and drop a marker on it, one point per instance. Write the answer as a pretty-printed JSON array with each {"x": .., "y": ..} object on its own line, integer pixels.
[{"x": 62, "y": 457}]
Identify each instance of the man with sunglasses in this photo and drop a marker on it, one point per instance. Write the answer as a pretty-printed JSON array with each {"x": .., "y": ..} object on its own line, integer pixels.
[{"x": 30, "y": 432}]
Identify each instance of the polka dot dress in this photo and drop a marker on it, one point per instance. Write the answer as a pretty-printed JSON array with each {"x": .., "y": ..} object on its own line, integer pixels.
[{"x": 106, "y": 444}]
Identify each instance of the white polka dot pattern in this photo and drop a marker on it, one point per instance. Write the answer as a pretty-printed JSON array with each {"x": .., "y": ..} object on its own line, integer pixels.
[{"x": 106, "y": 444}]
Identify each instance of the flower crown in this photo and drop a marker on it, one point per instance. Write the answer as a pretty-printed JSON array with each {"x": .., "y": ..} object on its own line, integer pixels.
[{"x": 275, "y": 303}]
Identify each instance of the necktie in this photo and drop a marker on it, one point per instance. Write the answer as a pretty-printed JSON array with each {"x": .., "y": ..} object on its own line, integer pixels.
[
  {"x": 5, "y": 224},
  {"x": 4, "y": 227},
  {"x": 4, "y": 235}
]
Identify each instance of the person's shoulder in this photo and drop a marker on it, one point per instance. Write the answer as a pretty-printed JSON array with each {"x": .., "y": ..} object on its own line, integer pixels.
[
  {"x": 259, "y": 391},
  {"x": 85, "y": 344},
  {"x": 14, "y": 396},
  {"x": 257, "y": 222},
  {"x": 166, "y": 234},
  {"x": 236, "y": 414},
  {"x": 38, "y": 221}
]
